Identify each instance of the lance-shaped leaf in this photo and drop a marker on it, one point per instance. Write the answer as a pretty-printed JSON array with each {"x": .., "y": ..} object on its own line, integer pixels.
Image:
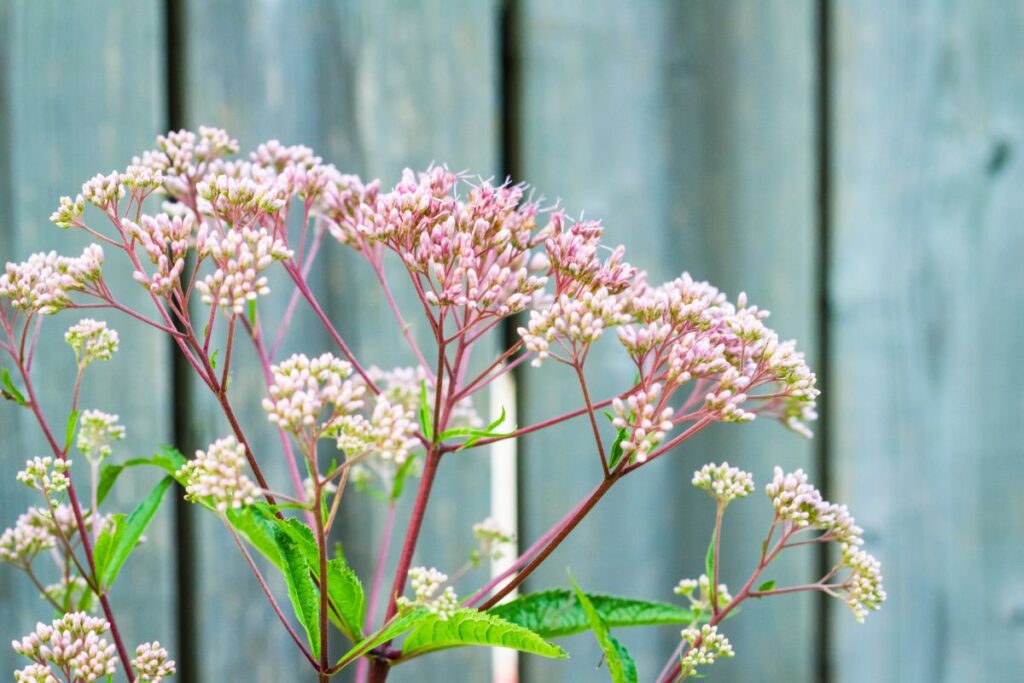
[
  {"x": 620, "y": 664},
  {"x": 8, "y": 390},
  {"x": 472, "y": 627},
  {"x": 123, "y": 537},
  {"x": 302, "y": 591},
  {"x": 167, "y": 458},
  {"x": 347, "y": 598},
  {"x": 397, "y": 626},
  {"x": 556, "y": 613}
]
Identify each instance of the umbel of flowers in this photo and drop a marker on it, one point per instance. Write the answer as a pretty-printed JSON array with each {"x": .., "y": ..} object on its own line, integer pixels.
[{"x": 208, "y": 235}]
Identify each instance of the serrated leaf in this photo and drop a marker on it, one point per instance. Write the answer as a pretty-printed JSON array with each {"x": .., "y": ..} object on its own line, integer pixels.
[
  {"x": 622, "y": 669},
  {"x": 472, "y": 627},
  {"x": 424, "y": 413},
  {"x": 127, "y": 535},
  {"x": 10, "y": 392},
  {"x": 346, "y": 593},
  {"x": 302, "y": 592},
  {"x": 252, "y": 524},
  {"x": 396, "y": 627},
  {"x": 70, "y": 429},
  {"x": 556, "y": 613},
  {"x": 616, "y": 453}
]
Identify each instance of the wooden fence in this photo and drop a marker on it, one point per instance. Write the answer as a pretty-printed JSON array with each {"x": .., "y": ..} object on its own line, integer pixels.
[{"x": 853, "y": 166}]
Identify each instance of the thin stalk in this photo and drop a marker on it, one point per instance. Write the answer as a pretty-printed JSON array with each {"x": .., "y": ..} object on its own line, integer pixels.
[{"x": 363, "y": 668}]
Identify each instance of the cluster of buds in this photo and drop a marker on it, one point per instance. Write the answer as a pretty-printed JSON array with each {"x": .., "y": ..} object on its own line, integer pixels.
[
  {"x": 44, "y": 283},
  {"x": 698, "y": 592},
  {"x": 30, "y": 535},
  {"x": 151, "y": 663},
  {"x": 425, "y": 584},
  {"x": 493, "y": 538},
  {"x": 72, "y": 644},
  {"x": 389, "y": 432},
  {"x": 91, "y": 340},
  {"x": 706, "y": 646},
  {"x": 182, "y": 157},
  {"x": 96, "y": 433},
  {"x": 574, "y": 322},
  {"x": 240, "y": 201},
  {"x": 215, "y": 476},
  {"x": 104, "y": 191},
  {"x": 310, "y": 393},
  {"x": 724, "y": 483},
  {"x": 240, "y": 255},
  {"x": 647, "y": 420},
  {"x": 403, "y": 386},
  {"x": 69, "y": 213},
  {"x": 166, "y": 240},
  {"x": 46, "y": 475}
]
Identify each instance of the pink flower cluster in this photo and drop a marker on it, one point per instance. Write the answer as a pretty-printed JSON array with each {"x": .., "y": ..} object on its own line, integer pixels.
[{"x": 72, "y": 644}]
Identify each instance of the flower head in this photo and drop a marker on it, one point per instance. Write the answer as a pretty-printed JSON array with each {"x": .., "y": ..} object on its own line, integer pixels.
[
  {"x": 44, "y": 282},
  {"x": 309, "y": 393},
  {"x": 425, "y": 584},
  {"x": 215, "y": 475},
  {"x": 69, "y": 213},
  {"x": 46, "y": 475},
  {"x": 27, "y": 538},
  {"x": 645, "y": 418},
  {"x": 240, "y": 256},
  {"x": 72, "y": 643},
  {"x": 104, "y": 191},
  {"x": 724, "y": 483},
  {"x": 166, "y": 240},
  {"x": 862, "y": 590},
  {"x": 706, "y": 645},
  {"x": 151, "y": 663},
  {"x": 91, "y": 340},
  {"x": 493, "y": 538},
  {"x": 96, "y": 432}
]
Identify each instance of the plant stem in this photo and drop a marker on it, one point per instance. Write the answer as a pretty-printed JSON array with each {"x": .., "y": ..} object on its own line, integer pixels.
[
  {"x": 362, "y": 669},
  {"x": 321, "y": 541}
]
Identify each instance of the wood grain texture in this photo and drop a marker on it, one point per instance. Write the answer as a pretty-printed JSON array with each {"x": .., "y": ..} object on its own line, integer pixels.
[
  {"x": 688, "y": 128},
  {"x": 80, "y": 91},
  {"x": 927, "y": 298},
  {"x": 372, "y": 87}
]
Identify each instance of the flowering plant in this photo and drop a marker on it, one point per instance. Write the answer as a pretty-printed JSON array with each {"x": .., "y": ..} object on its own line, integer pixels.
[{"x": 203, "y": 233}]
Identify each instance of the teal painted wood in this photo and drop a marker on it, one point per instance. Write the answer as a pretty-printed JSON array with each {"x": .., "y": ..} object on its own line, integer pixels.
[
  {"x": 927, "y": 293},
  {"x": 80, "y": 87},
  {"x": 372, "y": 87},
  {"x": 689, "y": 129}
]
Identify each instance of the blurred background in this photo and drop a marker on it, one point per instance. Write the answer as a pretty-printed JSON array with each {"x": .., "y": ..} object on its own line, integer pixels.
[{"x": 853, "y": 166}]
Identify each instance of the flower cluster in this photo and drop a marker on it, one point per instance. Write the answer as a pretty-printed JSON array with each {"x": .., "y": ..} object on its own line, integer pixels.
[
  {"x": 240, "y": 255},
  {"x": 73, "y": 643},
  {"x": 390, "y": 432},
  {"x": 304, "y": 388},
  {"x": 706, "y": 645},
  {"x": 69, "y": 213},
  {"x": 91, "y": 340},
  {"x": 493, "y": 538},
  {"x": 46, "y": 475},
  {"x": 166, "y": 240},
  {"x": 698, "y": 592},
  {"x": 182, "y": 156},
  {"x": 240, "y": 200},
  {"x": 151, "y": 663},
  {"x": 798, "y": 502},
  {"x": 425, "y": 584},
  {"x": 472, "y": 253},
  {"x": 574, "y": 322},
  {"x": 43, "y": 284},
  {"x": 215, "y": 475},
  {"x": 96, "y": 432},
  {"x": 724, "y": 483},
  {"x": 403, "y": 385},
  {"x": 29, "y": 536},
  {"x": 104, "y": 191},
  {"x": 646, "y": 418}
]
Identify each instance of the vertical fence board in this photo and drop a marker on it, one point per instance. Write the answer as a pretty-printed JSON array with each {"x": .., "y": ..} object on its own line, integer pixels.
[
  {"x": 689, "y": 129},
  {"x": 372, "y": 87},
  {"x": 927, "y": 294},
  {"x": 82, "y": 89}
]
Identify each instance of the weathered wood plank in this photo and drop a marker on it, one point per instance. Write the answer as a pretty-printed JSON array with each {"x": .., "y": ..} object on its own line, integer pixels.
[
  {"x": 689, "y": 129},
  {"x": 927, "y": 293},
  {"x": 372, "y": 87},
  {"x": 81, "y": 91}
]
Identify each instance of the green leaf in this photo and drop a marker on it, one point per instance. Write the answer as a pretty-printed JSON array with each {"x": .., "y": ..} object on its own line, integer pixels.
[
  {"x": 556, "y": 613},
  {"x": 104, "y": 547},
  {"x": 767, "y": 586},
  {"x": 616, "y": 453},
  {"x": 252, "y": 523},
  {"x": 108, "y": 475},
  {"x": 401, "y": 475},
  {"x": 251, "y": 309},
  {"x": 70, "y": 429},
  {"x": 709, "y": 559},
  {"x": 622, "y": 669},
  {"x": 394, "y": 628},
  {"x": 472, "y": 627},
  {"x": 127, "y": 536},
  {"x": 346, "y": 593},
  {"x": 425, "y": 425},
  {"x": 9, "y": 391},
  {"x": 213, "y": 358},
  {"x": 302, "y": 592},
  {"x": 475, "y": 433},
  {"x": 169, "y": 459}
]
